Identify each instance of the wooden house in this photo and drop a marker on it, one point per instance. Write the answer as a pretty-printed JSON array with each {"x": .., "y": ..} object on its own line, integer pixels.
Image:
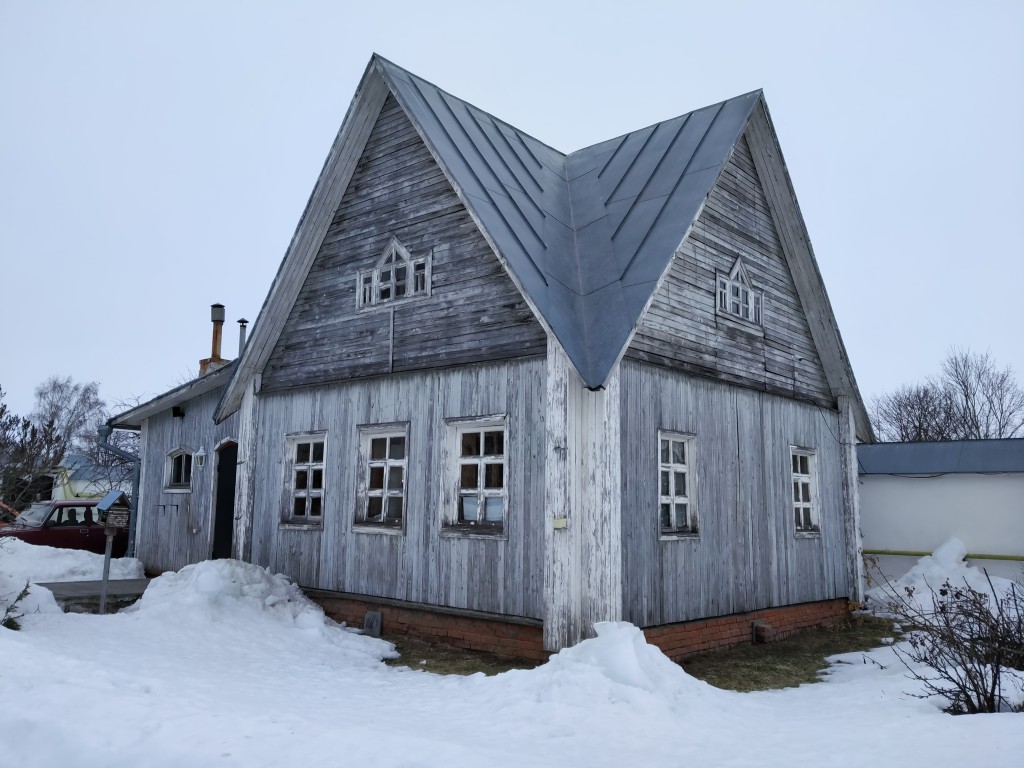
[{"x": 503, "y": 392}]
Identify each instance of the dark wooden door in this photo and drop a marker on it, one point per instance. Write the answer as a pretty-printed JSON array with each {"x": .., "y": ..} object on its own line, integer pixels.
[{"x": 224, "y": 501}]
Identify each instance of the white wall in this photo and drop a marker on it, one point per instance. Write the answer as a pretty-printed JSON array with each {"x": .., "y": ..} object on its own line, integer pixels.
[{"x": 918, "y": 514}]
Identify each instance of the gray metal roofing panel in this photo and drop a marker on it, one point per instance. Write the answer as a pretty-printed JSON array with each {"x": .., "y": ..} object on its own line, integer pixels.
[
  {"x": 956, "y": 456},
  {"x": 589, "y": 235}
]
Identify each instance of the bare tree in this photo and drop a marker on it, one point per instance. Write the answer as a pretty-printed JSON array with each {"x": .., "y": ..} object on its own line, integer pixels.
[
  {"x": 27, "y": 449},
  {"x": 971, "y": 399},
  {"x": 75, "y": 409}
]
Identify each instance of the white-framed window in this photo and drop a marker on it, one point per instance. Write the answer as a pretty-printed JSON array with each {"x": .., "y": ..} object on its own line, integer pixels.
[
  {"x": 396, "y": 276},
  {"x": 179, "y": 470},
  {"x": 304, "y": 478},
  {"x": 736, "y": 295},
  {"x": 805, "y": 491},
  {"x": 480, "y": 498},
  {"x": 383, "y": 462},
  {"x": 677, "y": 498}
]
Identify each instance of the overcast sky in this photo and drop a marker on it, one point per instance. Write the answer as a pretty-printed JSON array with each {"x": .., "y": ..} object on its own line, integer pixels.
[{"x": 155, "y": 157}]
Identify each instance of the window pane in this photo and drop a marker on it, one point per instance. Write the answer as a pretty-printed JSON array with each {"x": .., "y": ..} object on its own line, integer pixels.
[
  {"x": 666, "y": 515},
  {"x": 395, "y": 508},
  {"x": 799, "y": 518},
  {"x": 735, "y": 291},
  {"x": 682, "y": 516},
  {"x": 400, "y": 274},
  {"x": 376, "y": 478},
  {"x": 301, "y": 479},
  {"x": 373, "y": 508},
  {"x": 680, "y": 484},
  {"x": 494, "y": 443},
  {"x": 186, "y": 476},
  {"x": 385, "y": 275},
  {"x": 494, "y": 476},
  {"x": 384, "y": 293},
  {"x": 398, "y": 447},
  {"x": 468, "y": 477},
  {"x": 299, "y": 506},
  {"x": 379, "y": 448},
  {"x": 796, "y": 491},
  {"x": 315, "y": 506},
  {"x": 678, "y": 452},
  {"x": 805, "y": 489},
  {"x": 664, "y": 451},
  {"x": 796, "y": 464},
  {"x": 395, "y": 478},
  {"x": 804, "y": 466},
  {"x": 493, "y": 509},
  {"x": 468, "y": 509},
  {"x": 470, "y": 444},
  {"x": 318, "y": 479},
  {"x": 419, "y": 280},
  {"x": 807, "y": 519},
  {"x": 302, "y": 453},
  {"x": 399, "y": 289},
  {"x": 318, "y": 452},
  {"x": 665, "y": 481}
]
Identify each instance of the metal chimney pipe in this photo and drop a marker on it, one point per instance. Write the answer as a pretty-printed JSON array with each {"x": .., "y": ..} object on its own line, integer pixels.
[
  {"x": 217, "y": 316},
  {"x": 241, "y": 335}
]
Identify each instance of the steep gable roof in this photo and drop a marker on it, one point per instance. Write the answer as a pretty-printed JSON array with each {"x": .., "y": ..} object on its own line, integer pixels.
[{"x": 586, "y": 237}]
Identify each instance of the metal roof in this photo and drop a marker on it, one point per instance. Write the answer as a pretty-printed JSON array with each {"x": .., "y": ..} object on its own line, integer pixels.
[
  {"x": 936, "y": 458},
  {"x": 586, "y": 235}
]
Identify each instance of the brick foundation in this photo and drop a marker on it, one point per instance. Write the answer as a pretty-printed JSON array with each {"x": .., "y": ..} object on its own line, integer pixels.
[
  {"x": 520, "y": 638},
  {"x": 504, "y": 636},
  {"x": 677, "y": 641}
]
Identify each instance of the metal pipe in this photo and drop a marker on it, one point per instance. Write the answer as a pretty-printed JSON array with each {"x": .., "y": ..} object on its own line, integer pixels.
[
  {"x": 241, "y": 335},
  {"x": 104, "y": 434},
  {"x": 217, "y": 316}
]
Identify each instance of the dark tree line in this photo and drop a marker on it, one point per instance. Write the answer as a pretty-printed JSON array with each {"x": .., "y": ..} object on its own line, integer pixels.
[
  {"x": 971, "y": 399},
  {"x": 63, "y": 421}
]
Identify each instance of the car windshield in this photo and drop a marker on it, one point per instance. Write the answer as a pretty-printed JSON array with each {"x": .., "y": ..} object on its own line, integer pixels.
[{"x": 35, "y": 515}]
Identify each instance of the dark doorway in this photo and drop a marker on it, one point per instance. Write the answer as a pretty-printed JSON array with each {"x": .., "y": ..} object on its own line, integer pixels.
[{"x": 224, "y": 500}]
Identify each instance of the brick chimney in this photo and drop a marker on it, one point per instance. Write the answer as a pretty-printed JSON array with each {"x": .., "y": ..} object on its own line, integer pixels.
[{"x": 214, "y": 361}]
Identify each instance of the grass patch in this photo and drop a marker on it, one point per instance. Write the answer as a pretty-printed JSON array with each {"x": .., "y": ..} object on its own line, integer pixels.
[
  {"x": 417, "y": 653},
  {"x": 789, "y": 662}
]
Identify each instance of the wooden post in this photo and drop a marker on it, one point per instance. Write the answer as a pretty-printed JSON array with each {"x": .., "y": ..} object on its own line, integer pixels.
[
  {"x": 851, "y": 499},
  {"x": 245, "y": 482},
  {"x": 583, "y": 526}
]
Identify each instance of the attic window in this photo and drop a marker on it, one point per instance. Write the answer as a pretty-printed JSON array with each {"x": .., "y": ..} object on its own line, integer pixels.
[
  {"x": 396, "y": 276},
  {"x": 737, "y": 297},
  {"x": 179, "y": 470}
]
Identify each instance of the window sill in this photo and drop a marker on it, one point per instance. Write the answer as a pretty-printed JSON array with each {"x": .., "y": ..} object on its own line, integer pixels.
[
  {"x": 293, "y": 526},
  {"x": 679, "y": 536},
  {"x": 808, "y": 534},
  {"x": 178, "y": 489},
  {"x": 387, "y": 530},
  {"x": 739, "y": 324},
  {"x": 473, "y": 532}
]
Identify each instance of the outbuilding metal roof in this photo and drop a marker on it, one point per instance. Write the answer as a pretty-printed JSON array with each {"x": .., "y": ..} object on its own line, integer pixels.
[
  {"x": 956, "y": 456},
  {"x": 589, "y": 234}
]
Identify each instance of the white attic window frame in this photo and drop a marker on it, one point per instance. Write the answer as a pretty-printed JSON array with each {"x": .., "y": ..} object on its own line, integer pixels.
[
  {"x": 736, "y": 297},
  {"x": 397, "y": 276}
]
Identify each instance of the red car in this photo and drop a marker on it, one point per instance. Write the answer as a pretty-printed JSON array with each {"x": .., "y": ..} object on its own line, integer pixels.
[{"x": 70, "y": 524}]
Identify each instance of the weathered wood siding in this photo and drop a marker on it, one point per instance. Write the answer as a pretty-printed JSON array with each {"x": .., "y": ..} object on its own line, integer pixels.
[
  {"x": 747, "y": 555},
  {"x": 176, "y": 528},
  {"x": 682, "y": 330},
  {"x": 474, "y": 312},
  {"x": 495, "y": 574}
]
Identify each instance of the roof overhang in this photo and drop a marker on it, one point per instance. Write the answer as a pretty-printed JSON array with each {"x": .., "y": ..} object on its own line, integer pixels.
[{"x": 133, "y": 419}]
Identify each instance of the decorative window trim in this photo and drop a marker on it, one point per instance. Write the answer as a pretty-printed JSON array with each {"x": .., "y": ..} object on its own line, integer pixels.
[
  {"x": 804, "y": 501},
  {"x": 304, "y": 479},
  {"x": 677, "y": 453},
  {"x": 373, "y": 490},
  {"x": 396, "y": 277},
  {"x": 178, "y": 471},
  {"x": 735, "y": 297},
  {"x": 458, "y": 470}
]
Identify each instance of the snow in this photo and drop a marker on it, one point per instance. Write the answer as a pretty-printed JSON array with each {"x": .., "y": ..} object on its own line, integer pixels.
[{"x": 226, "y": 664}]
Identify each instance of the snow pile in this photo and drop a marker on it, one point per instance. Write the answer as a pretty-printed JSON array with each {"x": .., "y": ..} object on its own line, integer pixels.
[
  {"x": 945, "y": 564},
  {"x": 235, "y": 593},
  {"x": 21, "y": 562}
]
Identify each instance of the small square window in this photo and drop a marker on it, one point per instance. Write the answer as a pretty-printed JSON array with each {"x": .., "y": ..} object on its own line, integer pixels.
[
  {"x": 383, "y": 468},
  {"x": 805, "y": 502},
  {"x": 677, "y": 510},
  {"x": 304, "y": 479},
  {"x": 179, "y": 470},
  {"x": 480, "y": 494}
]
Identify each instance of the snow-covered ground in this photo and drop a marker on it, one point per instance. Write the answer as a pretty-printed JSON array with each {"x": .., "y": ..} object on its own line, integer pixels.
[{"x": 224, "y": 664}]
